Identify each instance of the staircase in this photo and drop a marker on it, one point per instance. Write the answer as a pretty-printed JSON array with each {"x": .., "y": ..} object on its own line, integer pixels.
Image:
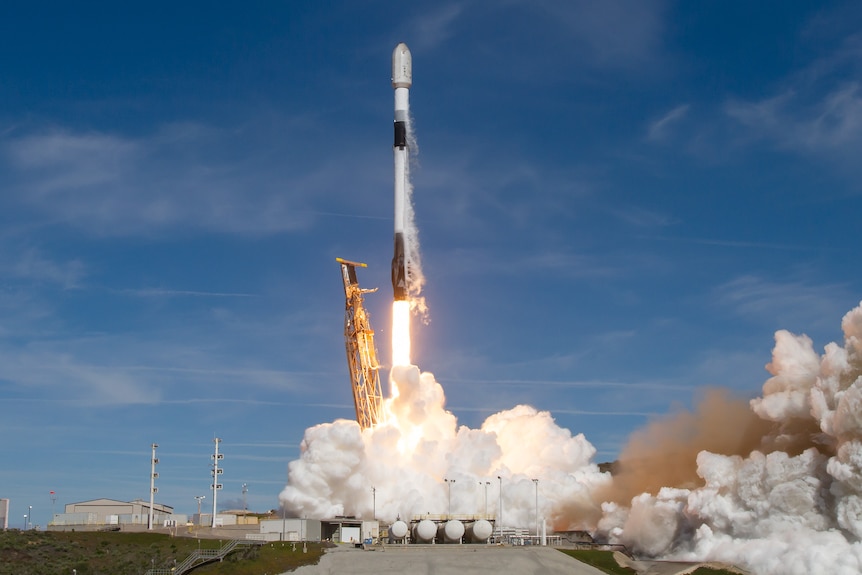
[{"x": 202, "y": 556}]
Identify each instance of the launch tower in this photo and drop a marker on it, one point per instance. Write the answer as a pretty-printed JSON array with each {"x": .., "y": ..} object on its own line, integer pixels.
[{"x": 361, "y": 353}]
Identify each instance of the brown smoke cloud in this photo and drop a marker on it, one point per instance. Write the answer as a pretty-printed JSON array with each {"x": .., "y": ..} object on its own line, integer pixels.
[{"x": 664, "y": 453}]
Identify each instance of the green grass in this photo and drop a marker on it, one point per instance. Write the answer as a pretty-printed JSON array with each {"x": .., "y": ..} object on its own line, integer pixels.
[
  {"x": 271, "y": 558},
  {"x": 602, "y": 560},
  {"x": 89, "y": 553}
]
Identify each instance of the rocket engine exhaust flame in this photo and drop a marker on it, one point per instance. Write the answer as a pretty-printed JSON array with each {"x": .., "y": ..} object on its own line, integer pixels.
[{"x": 400, "y": 333}]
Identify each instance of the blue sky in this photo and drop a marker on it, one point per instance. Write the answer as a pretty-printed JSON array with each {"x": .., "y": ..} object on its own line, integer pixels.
[{"x": 619, "y": 203}]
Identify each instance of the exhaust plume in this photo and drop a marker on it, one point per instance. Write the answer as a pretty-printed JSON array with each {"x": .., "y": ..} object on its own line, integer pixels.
[{"x": 773, "y": 486}]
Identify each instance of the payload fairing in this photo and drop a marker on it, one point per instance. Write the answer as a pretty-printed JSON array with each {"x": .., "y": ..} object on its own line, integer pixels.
[{"x": 402, "y": 79}]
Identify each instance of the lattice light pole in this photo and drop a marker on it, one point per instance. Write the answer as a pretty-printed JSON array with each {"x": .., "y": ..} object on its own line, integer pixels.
[
  {"x": 199, "y": 498},
  {"x": 449, "y": 482},
  {"x": 485, "y": 484},
  {"x": 536, "y": 483},
  {"x": 216, "y": 472},
  {"x": 153, "y": 488},
  {"x": 500, "y": 508}
]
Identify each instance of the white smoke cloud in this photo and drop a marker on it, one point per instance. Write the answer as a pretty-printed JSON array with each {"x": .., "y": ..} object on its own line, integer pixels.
[
  {"x": 790, "y": 505},
  {"x": 407, "y": 458}
]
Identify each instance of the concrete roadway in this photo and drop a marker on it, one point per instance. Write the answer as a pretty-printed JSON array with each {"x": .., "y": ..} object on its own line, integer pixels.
[{"x": 445, "y": 560}]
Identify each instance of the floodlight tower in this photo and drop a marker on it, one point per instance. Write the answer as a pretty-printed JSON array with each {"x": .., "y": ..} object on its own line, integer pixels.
[
  {"x": 153, "y": 488},
  {"x": 485, "y": 484},
  {"x": 244, "y": 491},
  {"x": 536, "y": 483},
  {"x": 449, "y": 482},
  {"x": 199, "y": 498},
  {"x": 500, "y": 508},
  {"x": 216, "y": 472}
]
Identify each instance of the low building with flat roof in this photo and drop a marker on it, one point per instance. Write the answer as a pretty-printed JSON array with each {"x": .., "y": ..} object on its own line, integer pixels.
[{"x": 112, "y": 512}]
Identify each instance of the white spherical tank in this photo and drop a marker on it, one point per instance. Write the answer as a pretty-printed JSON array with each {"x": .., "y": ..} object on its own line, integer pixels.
[
  {"x": 398, "y": 530},
  {"x": 479, "y": 531},
  {"x": 424, "y": 531},
  {"x": 453, "y": 531}
]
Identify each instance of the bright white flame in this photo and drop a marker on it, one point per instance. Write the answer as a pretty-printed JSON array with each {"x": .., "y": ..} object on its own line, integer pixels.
[{"x": 401, "y": 333}]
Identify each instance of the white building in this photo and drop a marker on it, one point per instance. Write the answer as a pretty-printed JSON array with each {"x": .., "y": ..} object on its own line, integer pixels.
[{"x": 107, "y": 512}]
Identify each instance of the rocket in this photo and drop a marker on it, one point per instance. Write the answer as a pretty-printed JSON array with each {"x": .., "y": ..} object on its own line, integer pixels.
[{"x": 402, "y": 79}]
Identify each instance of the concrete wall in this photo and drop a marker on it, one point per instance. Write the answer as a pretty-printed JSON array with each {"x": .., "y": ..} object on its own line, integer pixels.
[{"x": 293, "y": 529}]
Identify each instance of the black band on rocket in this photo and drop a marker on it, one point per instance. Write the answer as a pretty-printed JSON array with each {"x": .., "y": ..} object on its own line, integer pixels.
[{"x": 400, "y": 135}]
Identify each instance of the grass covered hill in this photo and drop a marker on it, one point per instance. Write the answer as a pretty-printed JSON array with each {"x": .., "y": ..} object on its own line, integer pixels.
[{"x": 113, "y": 553}]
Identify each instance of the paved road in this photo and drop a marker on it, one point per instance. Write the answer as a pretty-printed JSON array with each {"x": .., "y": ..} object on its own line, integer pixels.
[{"x": 446, "y": 560}]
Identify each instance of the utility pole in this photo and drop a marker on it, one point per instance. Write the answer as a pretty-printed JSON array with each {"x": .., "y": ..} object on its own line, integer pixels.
[
  {"x": 216, "y": 472},
  {"x": 486, "y": 484},
  {"x": 244, "y": 491},
  {"x": 500, "y": 508},
  {"x": 53, "y": 501},
  {"x": 536, "y": 483},
  {"x": 449, "y": 482},
  {"x": 153, "y": 488}
]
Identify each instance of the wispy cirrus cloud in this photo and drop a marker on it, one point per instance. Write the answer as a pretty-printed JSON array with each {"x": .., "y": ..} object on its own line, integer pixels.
[
  {"x": 816, "y": 109},
  {"x": 795, "y": 302},
  {"x": 658, "y": 130},
  {"x": 182, "y": 176},
  {"x": 831, "y": 124},
  {"x": 166, "y": 293},
  {"x": 31, "y": 264},
  {"x": 612, "y": 33},
  {"x": 434, "y": 27},
  {"x": 46, "y": 371}
]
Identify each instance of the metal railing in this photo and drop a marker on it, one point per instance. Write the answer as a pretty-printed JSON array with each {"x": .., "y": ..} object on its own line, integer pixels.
[{"x": 201, "y": 556}]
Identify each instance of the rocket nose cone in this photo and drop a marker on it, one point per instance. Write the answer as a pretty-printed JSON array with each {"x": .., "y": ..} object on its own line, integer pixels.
[{"x": 402, "y": 66}]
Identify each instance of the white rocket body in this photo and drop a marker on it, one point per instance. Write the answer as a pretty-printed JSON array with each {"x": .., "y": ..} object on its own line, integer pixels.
[{"x": 402, "y": 79}]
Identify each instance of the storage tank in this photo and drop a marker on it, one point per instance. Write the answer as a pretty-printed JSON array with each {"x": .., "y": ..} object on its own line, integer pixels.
[
  {"x": 479, "y": 531},
  {"x": 452, "y": 531},
  {"x": 424, "y": 531},
  {"x": 398, "y": 530}
]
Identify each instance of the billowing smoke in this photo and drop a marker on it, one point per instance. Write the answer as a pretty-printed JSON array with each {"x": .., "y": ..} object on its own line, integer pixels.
[
  {"x": 774, "y": 486},
  {"x": 791, "y": 505},
  {"x": 407, "y": 458}
]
